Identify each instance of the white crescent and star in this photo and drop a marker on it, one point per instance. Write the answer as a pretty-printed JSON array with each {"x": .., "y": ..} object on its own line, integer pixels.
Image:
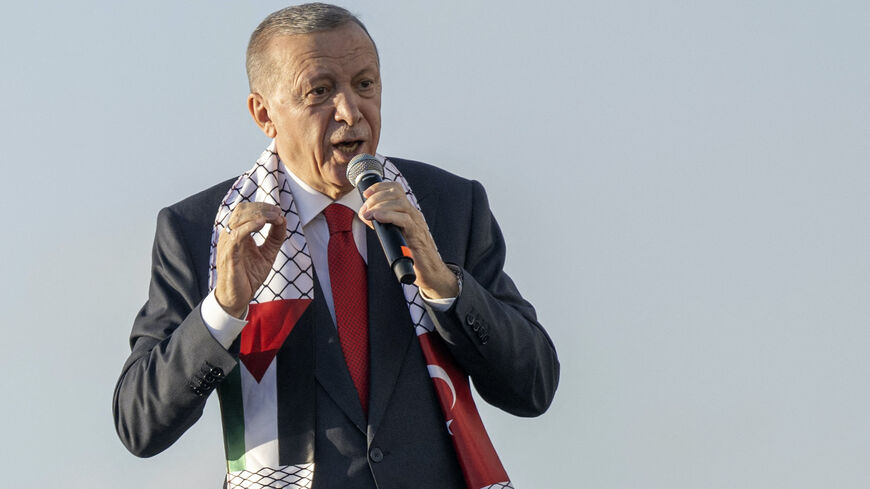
[{"x": 436, "y": 372}]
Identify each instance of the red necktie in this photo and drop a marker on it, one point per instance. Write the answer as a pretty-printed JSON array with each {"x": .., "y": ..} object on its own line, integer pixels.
[{"x": 347, "y": 276}]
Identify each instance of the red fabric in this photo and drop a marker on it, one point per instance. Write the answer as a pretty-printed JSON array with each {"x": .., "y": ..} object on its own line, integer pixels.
[
  {"x": 268, "y": 325},
  {"x": 348, "y": 280},
  {"x": 477, "y": 457}
]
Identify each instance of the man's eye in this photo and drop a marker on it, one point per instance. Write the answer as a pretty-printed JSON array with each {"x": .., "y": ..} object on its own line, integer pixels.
[
  {"x": 318, "y": 94},
  {"x": 366, "y": 84}
]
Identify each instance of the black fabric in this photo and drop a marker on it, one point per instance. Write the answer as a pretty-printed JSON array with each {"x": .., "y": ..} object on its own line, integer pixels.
[
  {"x": 296, "y": 391},
  {"x": 514, "y": 368}
]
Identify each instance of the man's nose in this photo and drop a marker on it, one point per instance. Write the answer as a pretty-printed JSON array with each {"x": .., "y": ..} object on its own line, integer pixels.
[{"x": 347, "y": 107}]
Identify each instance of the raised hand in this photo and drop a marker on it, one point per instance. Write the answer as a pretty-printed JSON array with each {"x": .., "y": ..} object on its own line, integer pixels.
[{"x": 242, "y": 266}]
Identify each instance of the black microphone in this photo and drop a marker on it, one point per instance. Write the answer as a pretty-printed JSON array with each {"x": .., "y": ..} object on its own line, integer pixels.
[{"x": 363, "y": 171}]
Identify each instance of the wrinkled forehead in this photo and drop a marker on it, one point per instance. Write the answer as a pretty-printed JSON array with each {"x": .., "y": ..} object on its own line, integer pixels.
[{"x": 346, "y": 46}]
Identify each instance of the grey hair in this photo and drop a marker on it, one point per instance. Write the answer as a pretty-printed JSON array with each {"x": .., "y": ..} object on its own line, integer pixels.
[{"x": 298, "y": 19}]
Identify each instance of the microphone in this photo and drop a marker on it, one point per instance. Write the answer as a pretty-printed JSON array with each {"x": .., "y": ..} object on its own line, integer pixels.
[{"x": 363, "y": 171}]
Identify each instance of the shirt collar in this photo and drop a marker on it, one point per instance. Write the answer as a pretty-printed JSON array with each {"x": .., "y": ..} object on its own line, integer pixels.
[{"x": 310, "y": 203}]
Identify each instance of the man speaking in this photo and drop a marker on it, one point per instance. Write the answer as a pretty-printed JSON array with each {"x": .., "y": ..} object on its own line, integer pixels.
[{"x": 273, "y": 290}]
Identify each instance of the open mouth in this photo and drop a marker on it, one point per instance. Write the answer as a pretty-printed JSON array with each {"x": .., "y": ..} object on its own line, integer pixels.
[{"x": 348, "y": 146}]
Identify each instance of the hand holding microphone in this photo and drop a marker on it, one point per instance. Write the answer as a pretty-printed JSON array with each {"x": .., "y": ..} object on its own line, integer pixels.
[
  {"x": 363, "y": 171},
  {"x": 401, "y": 229}
]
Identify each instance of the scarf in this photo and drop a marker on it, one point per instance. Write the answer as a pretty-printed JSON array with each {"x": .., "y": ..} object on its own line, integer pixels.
[{"x": 250, "y": 411}]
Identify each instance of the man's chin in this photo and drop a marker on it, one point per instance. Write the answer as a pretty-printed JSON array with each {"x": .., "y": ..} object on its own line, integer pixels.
[{"x": 334, "y": 180}]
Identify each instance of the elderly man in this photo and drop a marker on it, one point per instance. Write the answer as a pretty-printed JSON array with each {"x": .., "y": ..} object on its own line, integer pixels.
[{"x": 273, "y": 290}]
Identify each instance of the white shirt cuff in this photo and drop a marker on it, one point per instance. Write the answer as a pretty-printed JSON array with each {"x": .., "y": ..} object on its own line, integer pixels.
[
  {"x": 443, "y": 304},
  {"x": 223, "y": 326},
  {"x": 438, "y": 305}
]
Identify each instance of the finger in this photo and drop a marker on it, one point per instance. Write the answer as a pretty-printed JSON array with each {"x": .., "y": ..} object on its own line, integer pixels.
[
  {"x": 378, "y": 210},
  {"x": 245, "y": 229},
  {"x": 369, "y": 191},
  {"x": 277, "y": 230},
  {"x": 384, "y": 191},
  {"x": 389, "y": 200},
  {"x": 273, "y": 242},
  {"x": 397, "y": 217},
  {"x": 255, "y": 214},
  {"x": 362, "y": 213},
  {"x": 247, "y": 211},
  {"x": 246, "y": 207}
]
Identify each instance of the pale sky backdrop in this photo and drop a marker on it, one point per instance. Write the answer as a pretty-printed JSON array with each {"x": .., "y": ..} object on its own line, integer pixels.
[{"x": 684, "y": 188}]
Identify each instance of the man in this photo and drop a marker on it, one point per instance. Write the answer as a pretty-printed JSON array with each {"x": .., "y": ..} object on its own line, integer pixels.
[{"x": 330, "y": 372}]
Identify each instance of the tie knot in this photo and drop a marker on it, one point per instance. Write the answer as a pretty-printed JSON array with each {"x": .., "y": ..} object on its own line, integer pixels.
[{"x": 339, "y": 218}]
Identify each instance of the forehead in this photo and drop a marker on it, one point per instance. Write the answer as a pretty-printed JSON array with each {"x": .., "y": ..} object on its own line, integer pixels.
[{"x": 345, "y": 48}]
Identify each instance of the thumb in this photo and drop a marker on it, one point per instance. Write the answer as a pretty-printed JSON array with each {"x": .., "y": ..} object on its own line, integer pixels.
[{"x": 275, "y": 238}]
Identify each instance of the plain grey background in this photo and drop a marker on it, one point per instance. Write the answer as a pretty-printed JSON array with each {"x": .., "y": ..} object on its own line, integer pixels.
[{"x": 683, "y": 187}]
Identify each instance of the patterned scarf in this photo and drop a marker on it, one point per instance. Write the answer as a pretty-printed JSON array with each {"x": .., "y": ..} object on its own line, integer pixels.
[{"x": 249, "y": 395}]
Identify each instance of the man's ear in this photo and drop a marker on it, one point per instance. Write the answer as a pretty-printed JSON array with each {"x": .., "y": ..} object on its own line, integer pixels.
[{"x": 260, "y": 112}]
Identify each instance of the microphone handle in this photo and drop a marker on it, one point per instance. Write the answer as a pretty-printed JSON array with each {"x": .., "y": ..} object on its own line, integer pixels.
[{"x": 397, "y": 252}]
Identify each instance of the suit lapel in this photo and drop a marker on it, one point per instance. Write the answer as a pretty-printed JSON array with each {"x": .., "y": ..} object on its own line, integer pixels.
[
  {"x": 330, "y": 368},
  {"x": 390, "y": 331}
]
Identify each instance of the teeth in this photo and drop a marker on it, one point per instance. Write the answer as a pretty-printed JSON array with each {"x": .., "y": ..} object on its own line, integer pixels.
[{"x": 348, "y": 147}]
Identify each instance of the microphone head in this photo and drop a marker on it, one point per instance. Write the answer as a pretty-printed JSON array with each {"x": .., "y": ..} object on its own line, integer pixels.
[{"x": 363, "y": 164}]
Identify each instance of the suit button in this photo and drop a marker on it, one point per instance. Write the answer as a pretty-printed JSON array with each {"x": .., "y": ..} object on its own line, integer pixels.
[
  {"x": 217, "y": 372},
  {"x": 484, "y": 338},
  {"x": 376, "y": 454},
  {"x": 469, "y": 319}
]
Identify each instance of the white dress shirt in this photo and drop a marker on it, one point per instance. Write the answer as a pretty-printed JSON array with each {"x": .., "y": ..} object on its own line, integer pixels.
[{"x": 309, "y": 204}]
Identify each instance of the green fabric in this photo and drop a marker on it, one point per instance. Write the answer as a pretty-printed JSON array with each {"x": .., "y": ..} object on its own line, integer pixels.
[{"x": 233, "y": 414}]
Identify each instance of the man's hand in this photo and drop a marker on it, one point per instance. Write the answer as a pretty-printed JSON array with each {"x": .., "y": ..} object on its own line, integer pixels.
[
  {"x": 386, "y": 203},
  {"x": 242, "y": 266}
]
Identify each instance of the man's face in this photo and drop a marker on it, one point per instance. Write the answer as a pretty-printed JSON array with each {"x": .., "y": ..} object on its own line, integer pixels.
[{"x": 325, "y": 106}]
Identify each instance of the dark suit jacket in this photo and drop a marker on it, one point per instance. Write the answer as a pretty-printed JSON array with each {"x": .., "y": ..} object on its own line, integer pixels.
[{"x": 490, "y": 330}]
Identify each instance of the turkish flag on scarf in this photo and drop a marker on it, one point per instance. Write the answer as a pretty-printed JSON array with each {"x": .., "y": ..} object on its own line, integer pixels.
[{"x": 477, "y": 457}]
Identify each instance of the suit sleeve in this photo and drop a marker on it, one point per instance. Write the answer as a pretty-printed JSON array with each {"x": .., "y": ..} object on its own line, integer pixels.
[
  {"x": 491, "y": 330},
  {"x": 174, "y": 362}
]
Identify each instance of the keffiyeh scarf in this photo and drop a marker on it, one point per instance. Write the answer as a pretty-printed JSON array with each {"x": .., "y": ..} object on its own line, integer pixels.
[{"x": 256, "y": 456}]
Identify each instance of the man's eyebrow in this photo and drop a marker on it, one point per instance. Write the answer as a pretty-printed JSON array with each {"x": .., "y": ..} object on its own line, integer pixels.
[
  {"x": 304, "y": 77},
  {"x": 367, "y": 72}
]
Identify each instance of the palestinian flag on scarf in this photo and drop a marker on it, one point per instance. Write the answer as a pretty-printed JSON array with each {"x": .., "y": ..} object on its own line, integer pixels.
[{"x": 257, "y": 412}]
